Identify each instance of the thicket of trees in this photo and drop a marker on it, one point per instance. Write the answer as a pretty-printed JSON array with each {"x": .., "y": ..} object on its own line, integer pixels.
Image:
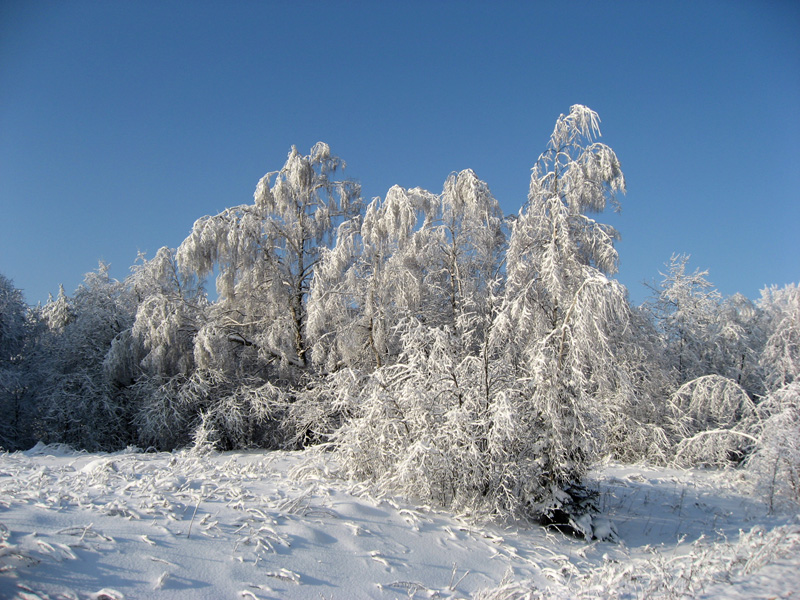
[{"x": 442, "y": 349}]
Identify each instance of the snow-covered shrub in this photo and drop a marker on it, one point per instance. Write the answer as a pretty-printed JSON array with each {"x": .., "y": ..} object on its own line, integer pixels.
[
  {"x": 630, "y": 439},
  {"x": 241, "y": 413},
  {"x": 323, "y": 405},
  {"x": 634, "y": 414},
  {"x": 776, "y": 462},
  {"x": 233, "y": 413},
  {"x": 777, "y": 459},
  {"x": 711, "y": 402},
  {"x": 664, "y": 575},
  {"x": 446, "y": 428},
  {"x": 162, "y": 418},
  {"x": 712, "y": 417}
]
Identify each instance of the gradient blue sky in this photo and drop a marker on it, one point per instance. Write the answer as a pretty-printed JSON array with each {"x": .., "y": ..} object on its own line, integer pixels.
[{"x": 123, "y": 122}]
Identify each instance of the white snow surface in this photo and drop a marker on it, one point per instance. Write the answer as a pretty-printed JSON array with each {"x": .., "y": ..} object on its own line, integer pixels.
[{"x": 268, "y": 525}]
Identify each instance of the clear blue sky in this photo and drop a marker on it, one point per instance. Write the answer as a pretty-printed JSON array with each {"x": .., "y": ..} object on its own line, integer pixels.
[{"x": 123, "y": 122}]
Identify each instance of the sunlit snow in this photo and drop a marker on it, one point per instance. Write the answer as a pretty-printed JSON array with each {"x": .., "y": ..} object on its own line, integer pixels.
[{"x": 281, "y": 525}]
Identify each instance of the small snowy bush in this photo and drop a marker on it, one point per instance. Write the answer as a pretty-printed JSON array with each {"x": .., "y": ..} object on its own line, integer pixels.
[
  {"x": 320, "y": 408},
  {"x": 711, "y": 418},
  {"x": 776, "y": 463},
  {"x": 429, "y": 428}
]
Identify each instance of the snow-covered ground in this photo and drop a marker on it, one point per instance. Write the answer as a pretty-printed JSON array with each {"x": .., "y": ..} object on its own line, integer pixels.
[{"x": 278, "y": 525}]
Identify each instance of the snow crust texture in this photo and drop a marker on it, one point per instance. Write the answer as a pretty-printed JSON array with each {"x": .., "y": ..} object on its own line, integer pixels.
[{"x": 266, "y": 525}]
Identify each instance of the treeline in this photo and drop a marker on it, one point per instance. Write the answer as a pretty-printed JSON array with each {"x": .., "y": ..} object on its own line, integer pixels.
[{"x": 442, "y": 349}]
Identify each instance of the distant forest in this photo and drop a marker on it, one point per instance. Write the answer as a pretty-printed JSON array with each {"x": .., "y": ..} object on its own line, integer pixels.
[{"x": 441, "y": 349}]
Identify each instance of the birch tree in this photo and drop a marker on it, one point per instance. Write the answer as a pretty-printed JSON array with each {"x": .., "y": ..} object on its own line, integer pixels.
[
  {"x": 562, "y": 314},
  {"x": 412, "y": 255},
  {"x": 369, "y": 281},
  {"x": 685, "y": 307},
  {"x": 505, "y": 425},
  {"x": 265, "y": 255}
]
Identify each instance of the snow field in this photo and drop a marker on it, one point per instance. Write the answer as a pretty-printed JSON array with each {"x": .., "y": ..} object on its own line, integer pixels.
[{"x": 269, "y": 525}]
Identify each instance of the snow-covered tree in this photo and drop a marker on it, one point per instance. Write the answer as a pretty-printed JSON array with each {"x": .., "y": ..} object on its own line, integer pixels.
[
  {"x": 413, "y": 258},
  {"x": 255, "y": 336},
  {"x": 15, "y": 412},
  {"x": 461, "y": 253},
  {"x": 684, "y": 307},
  {"x": 168, "y": 316},
  {"x": 81, "y": 404},
  {"x": 739, "y": 342},
  {"x": 369, "y": 281},
  {"x": 57, "y": 313},
  {"x": 13, "y": 312},
  {"x": 412, "y": 255},
  {"x": 503, "y": 421},
  {"x": 563, "y": 315},
  {"x": 781, "y": 355},
  {"x": 365, "y": 285},
  {"x": 149, "y": 363},
  {"x": 265, "y": 255},
  {"x": 712, "y": 402}
]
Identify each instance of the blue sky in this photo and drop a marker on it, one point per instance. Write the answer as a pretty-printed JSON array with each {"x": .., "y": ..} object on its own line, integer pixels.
[{"x": 123, "y": 122}]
